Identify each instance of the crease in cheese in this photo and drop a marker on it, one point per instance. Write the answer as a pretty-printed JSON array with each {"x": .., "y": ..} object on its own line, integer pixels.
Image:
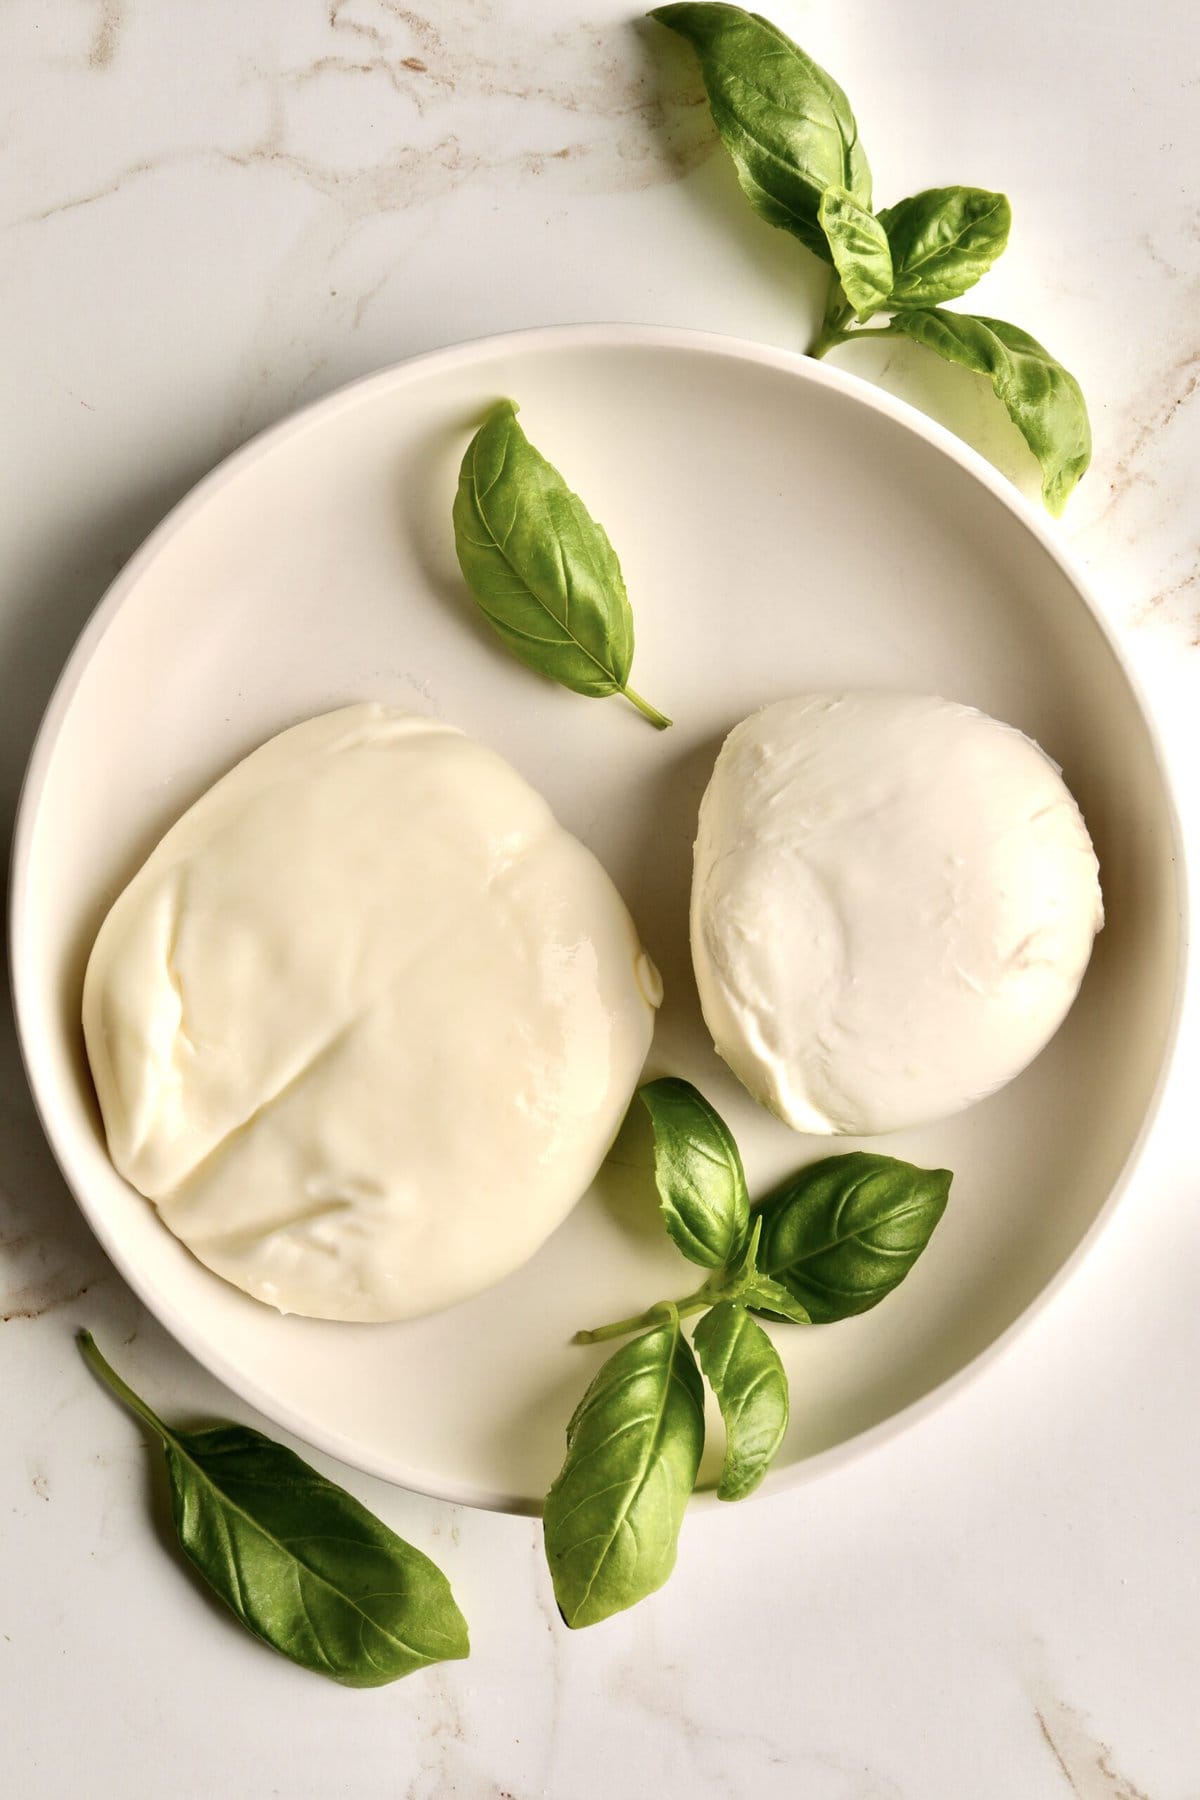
[
  {"x": 894, "y": 901},
  {"x": 366, "y": 1022}
]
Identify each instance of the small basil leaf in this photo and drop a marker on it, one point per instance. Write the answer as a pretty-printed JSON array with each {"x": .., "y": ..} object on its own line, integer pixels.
[
  {"x": 613, "y": 1515},
  {"x": 744, "y": 1372},
  {"x": 1044, "y": 402},
  {"x": 698, "y": 1173},
  {"x": 745, "y": 1284},
  {"x": 743, "y": 1264},
  {"x": 841, "y": 1234},
  {"x": 860, "y": 251},
  {"x": 942, "y": 240},
  {"x": 540, "y": 568},
  {"x": 304, "y": 1566},
  {"x": 771, "y": 1297},
  {"x": 786, "y": 123}
]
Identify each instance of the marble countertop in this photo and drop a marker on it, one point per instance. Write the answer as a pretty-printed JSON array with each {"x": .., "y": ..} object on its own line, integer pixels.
[{"x": 213, "y": 212}]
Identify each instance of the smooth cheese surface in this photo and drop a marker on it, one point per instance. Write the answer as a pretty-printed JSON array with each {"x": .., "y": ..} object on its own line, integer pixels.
[
  {"x": 893, "y": 905},
  {"x": 365, "y": 1024}
]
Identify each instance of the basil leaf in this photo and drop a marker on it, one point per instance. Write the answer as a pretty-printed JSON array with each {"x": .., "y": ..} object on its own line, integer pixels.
[
  {"x": 746, "y": 1285},
  {"x": 860, "y": 250},
  {"x": 1044, "y": 402},
  {"x": 744, "y": 1372},
  {"x": 841, "y": 1234},
  {"x": 304, "y": 1566},
  {"x": 942, "y": 240},
  {"x": 743, "y": 1264},
  {"x": 768, "y": 1296},
  {"x": 612, "y": 1517},
  {"x": 698, "y": 1173},
  {"x": 540, "y": 568},
  {"x": 786, "y": 123}
]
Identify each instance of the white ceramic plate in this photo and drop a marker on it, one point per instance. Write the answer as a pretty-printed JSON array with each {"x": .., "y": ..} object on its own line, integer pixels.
[{"x": 782, "y": 527}]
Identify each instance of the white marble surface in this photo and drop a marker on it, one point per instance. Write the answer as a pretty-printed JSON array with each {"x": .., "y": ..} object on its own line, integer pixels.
[{"x": 213, "y": 211}]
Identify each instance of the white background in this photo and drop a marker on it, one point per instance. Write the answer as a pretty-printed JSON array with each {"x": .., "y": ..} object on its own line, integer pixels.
[{"x": 214, "y": 211}]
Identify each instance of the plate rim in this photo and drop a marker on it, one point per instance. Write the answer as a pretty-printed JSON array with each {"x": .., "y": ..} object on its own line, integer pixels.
[{"x": 530, "y": 340}]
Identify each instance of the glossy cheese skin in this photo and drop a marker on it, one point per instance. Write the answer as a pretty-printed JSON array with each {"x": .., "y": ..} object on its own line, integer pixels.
[
  {"x": 893, "y": 905},
  {"x": 365, "y": 1024}
]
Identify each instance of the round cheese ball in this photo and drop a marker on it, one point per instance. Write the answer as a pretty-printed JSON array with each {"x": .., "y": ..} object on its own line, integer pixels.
[
  {"x": 893, "y": 904},
  {"x": 366, "y": 1023}
]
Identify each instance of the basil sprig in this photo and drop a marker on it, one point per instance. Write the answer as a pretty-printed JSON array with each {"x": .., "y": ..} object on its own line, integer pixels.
[
  {"x": 540, "y": 568},
  {"x": 794, "y": 142},
  {"x": 303, "y": 1565},
  {"x": 830, "y": 1242}
]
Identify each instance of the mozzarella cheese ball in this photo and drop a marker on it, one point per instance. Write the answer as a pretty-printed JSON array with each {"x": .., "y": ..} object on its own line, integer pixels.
[
  {"x": 893, "y": 905},
  {"x": 366, "y": 1022}
]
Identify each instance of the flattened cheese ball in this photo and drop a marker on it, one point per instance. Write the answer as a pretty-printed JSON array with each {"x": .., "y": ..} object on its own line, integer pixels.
[{"x": 365, "y": 1024}]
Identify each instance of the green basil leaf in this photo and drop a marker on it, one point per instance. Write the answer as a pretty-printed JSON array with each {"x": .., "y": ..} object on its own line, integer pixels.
[
  {"x": 841, "y": 1234},
  {"x": 304, "y": 1566},
  {"x": 744, "y": 1372},
  {"x": 540, "y": 568},
  {"x": 613, "y": 1515},
  {"x": 768, "y": 1296},
  {"x": 698, "y": 1173},
  {"x": 942, "y": 240},
  {"x": 746, "y": 1285},
  {"x": 861, "y": 254},
  {"x": 742, "y": 1265},
  {"x": 786, "y": 123},
  {"x": 1044, "y": 402}
]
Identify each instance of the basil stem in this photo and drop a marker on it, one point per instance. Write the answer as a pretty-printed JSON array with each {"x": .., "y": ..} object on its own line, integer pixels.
[{"x": 653, "y": 1315}]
